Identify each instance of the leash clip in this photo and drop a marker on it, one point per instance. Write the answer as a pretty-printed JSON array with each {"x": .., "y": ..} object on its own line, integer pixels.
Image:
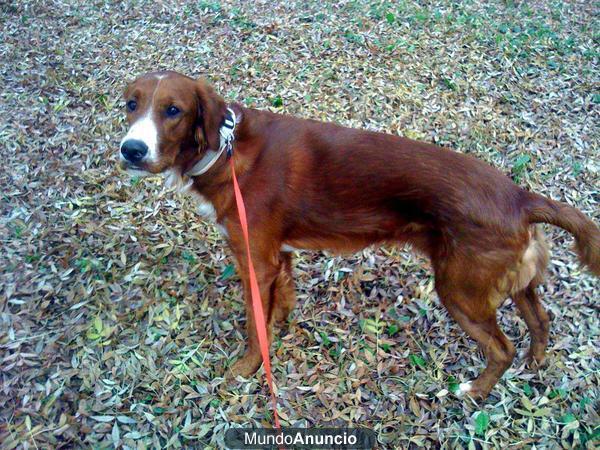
[
  {"x": 226, "y": 132},
  {"x": 229, "y": 147}
]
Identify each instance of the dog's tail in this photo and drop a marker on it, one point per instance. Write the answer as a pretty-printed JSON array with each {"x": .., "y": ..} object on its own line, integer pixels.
[{"x": 587, "y": 235}]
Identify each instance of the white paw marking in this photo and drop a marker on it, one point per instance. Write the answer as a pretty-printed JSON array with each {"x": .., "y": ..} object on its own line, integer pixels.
[{"x": 463, "y": 388}]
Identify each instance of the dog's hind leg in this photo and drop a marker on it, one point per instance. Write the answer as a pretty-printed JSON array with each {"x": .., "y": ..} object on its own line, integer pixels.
[
  {"x": 537, "y": 321},
  {"x": 498, "y": 350},
  {"x": 471, "y": 299},
  {"x": 528, "y": 303}
]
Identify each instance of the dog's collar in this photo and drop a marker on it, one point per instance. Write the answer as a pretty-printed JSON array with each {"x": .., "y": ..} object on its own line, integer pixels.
[{"x": 226, "y": 133}]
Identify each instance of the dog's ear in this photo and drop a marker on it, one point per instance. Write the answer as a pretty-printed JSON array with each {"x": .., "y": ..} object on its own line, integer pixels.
[{"x": 211, "y": 110}]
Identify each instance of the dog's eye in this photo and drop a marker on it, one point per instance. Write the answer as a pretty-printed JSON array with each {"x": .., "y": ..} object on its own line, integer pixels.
[
  {"x": 131, "y": 105},
  {"x": 172, "y": 111}
]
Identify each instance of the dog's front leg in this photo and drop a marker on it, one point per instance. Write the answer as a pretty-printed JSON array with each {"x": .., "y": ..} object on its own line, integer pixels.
[{"x": 267, "y": 267}]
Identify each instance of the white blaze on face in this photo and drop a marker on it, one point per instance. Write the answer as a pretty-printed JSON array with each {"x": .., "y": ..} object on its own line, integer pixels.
[{"x": 144, "y": 129}]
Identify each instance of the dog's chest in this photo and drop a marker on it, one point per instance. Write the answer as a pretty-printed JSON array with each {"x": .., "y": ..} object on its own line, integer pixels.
[
  {"x": 208, "y": 212},
  {"x": 186, "y": 186},
  {"x": 204, "y": 206}
]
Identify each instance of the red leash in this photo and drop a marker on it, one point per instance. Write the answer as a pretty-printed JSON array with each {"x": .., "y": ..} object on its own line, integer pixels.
[{"x": 257, "y": 308}]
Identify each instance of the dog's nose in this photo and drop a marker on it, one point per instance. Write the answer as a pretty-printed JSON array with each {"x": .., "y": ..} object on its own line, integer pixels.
[{"x": 133, "y": 150}]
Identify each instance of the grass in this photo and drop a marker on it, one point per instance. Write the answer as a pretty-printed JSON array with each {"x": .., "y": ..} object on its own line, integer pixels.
[{"x": 120, "y": 309}]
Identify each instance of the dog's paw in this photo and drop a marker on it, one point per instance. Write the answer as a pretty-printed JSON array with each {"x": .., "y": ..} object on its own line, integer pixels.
[
  {"x": 245, "y": 366},
  {"x": 464, "y": 388},
  {"x": 472, "y": 390},
  {"x": 535, "y": 359},
  {"x": 282, "y": 315}
]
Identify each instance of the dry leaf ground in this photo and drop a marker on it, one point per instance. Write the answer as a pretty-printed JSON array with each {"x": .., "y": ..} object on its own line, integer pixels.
[{"x": 119, "y": 309}]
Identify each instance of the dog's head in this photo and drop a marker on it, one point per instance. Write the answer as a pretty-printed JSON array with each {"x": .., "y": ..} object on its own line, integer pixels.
[{"x": 171, "y": 118}]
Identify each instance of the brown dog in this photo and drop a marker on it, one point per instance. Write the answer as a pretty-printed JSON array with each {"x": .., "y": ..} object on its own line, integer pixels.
[{"x": 313, "y": 185}]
